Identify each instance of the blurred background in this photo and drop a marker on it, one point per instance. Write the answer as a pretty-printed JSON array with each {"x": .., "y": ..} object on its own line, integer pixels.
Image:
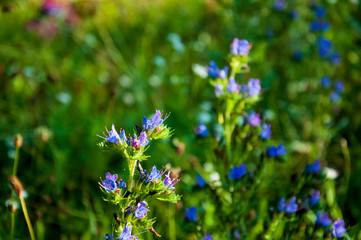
[{"x": 70, "y": 68}]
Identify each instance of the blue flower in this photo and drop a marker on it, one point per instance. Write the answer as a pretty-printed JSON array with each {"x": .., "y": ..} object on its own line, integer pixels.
[
  {"x": 319, "y": 26},
  {"x": 335, "y": 58},
  {"x": 240, "y": 47},
  {"x": 339, "y": 87},
  {"x": 338, "y": 228},
  {"x": 238, "y": 172},
  {"x": 320, "y": 12},
  {"x": 323, "y": 219},
  {"x": 254, "y": 119},
  {"x": 200, "y": 182},
  {"x": 218, "y": 89},
  {"x": 279, "y": 5},
  {"x": 274, "y": 151},
  {"x": 294, "y": 14},
  {"x": 315, "y": 198},
  {"x": 324, "y": 47},
  {"x": 121, "y": 184},
  {"x": 213, "y": 70},
  {"x": 208, "y": 237},
  {"x": 254, "y": 87},
  {"x": 334, "y": 97},
  {"x": 126, "y": 233},
  {"x": 109, "y": 237},
  {"x": 143, "y": 140},
  {"x": 113, "y": 135},
  {"x": 281, "y": 205},
  {"x": 154, "y": 175},
  {"x": 141, "y": 210},
  {"x": 325, "y": 81},
  {"x": 109, "y": 184},
  {"x": 266, "y": 131},
  {"x": 191, "y": 214},
  {"x": 291, "y": 206},
  {"x": 223, "y": 72},
  {"x": 168, "y": 182},
  {"x": 202, "y": 130},
  {"x": 154, "y": 122},
  {"x": 313, "y": 167},
  {"x": 232, "y": 86},
  {"x": 298, "y": 55}
]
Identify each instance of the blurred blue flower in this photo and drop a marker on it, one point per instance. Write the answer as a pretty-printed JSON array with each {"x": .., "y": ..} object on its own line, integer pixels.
[
  {"x": 281, "y": 205},
  {"x": 121, "y": 184},
  {"x": 191, "y": 214},
  {"x": 202, "y": 130},
  {"x": 294, "y": 14},
  {"x": 334, "y": 97},
  {"x": 266, "y": 131},
  {"x": 223, "y": 72},
  {"x": 291, "y": 206},
  {"x": 298, "y": 55},
  {"x": 254, "y": 87},
  {"x": 141, "y": 210},
  {"x": 238, "y": 172},
  {"x": 218, "y": 89},
  {"x": 154, "y": 175},
  {"x": 279, "y": 5},
  {"x": 320, "y": 12},
  {"x": 280, "y": 150},
  {"x": 325, "y": 81},
  {"x": 237, "y": 235},
  {"x": 240, "y": 47},
  {"x": 319, "y": 25},
  {"x": 213, "y": 70},
  {"x": 208, "y": 237},
  {"x": 324, "y": 46},
  {"x": 274, "y": 151},
  {"x": 313, "y": 167},
  {"x": 200, "y": 182},
  {"x": 335, "y": 58},
  {"x": 254, "y": 119},
  {"x": 109, "y": 237},
  {"x": 323, "y": 219},
  {"x": 339, "y": 86},
  {"x": 338, "y": 228},
  {"x": 232, "y": 86},
  {"x": 315, "y": 197}
]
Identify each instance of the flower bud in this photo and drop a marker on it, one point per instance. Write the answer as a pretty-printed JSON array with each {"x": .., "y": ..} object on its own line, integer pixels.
[
  {"x": 16, "y": 184},
  {"x": 18, "y": 140}
]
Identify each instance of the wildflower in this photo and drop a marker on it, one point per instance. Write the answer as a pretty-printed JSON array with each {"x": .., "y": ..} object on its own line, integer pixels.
[
  {"x": 200, "y": 182},
  {"x": 168, "y": 182},
  {"x": 109, "y": 237},
  {"x": 223, "y": 72},
  {"x": 319, "y": 26},
  {"x": 334, "y": 97},
  {"x": 143, "y": 140},
  {"x": 254, "y": 119},
  {"x": 313, "y": 167},
  {"x": 279, "y": 5},
  {"x": 291, "y": 206},
  {"x": 254, "y": 87},
  {"x": 240, "y": 47},
  {"x": 325, "y": 82},
  {"x": 266, "y": 131},
  {"x": 237, "y": 235},
  {"x": 238, "y": 172},
  {"x": 141, "y": 210},
  {"x": 338, "y": 228},
  {"x": 213, "y": 70},
  {"x": 335, "y": 58},
  {"x": 154, "y": 175},
  {"x": 154, "y": 122},
  {"x": 324, "y": 46},
  {"x": 232, "y": 86},
  {"x": 109, "y": 184},
  {"x": 339, "y": 87},
  {"x": 294, "y": 14},
  {"x": 202, "y": 130},
  {"x": 323, "y": 219},
  {"x": 208, "y": 237},
  {"x": 315, "y": 198},
  {"x": 320, "y": 12},
  {"x": 298, "y": 55},
  {"x": 218, "y": 89},
  {"x": 191, "y": 214},
  {"x": 126, "y": 233},
  {"x": 281, "y": 204},
  {"x": 121, "y": 184},
  {"x": 274, "y": 151},
  {"x": 113, "y": 135}
]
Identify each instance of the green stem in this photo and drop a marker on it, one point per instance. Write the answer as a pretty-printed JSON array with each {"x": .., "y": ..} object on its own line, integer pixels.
[
  {"x": 131, "y": 165},
  {"x": 26, "y": 215},
  {"x": 15, "y": 168},
  {"x": 16, "y": 161}
]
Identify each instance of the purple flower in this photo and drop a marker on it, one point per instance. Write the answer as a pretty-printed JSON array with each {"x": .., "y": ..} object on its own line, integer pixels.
[
  {"x": 279, "y": 5},
  {"x": 325, "y": 82},
  {"x": 143, "y": 140},
  {"x": 109, "y": 237},
  {"x": 113, "y": 135},
  {"x": 254, "y": 119},
  {"x": 324, "y": 46},
  {"x": 223, "y": 72},
  {"x": 232, "y": 86},
  {"x": 339, "y": 87},
  {"x": 281, "y": 205},
  {"x": 218, "y": 89},
  {"x": 313, "y": 167},
  {"x": 202, "y": 130},
  {"x": 266, "y": 131},
  {"x": 154, "y": 122},
  {"x": 291, "y": 206},
  {"x": 191, "y": 214},
  {"x": 200, "y": 182},
  {"x": 168, "y": 182},
  {"x": 334, "y": 97},
  {"x": 274, "y": 151},
  {"x": 208, "y": 237},
  {"x": 126, "y": 233},
  {"x": 240, "y": 47},
  {"x": 315, "y": 198},
  {"x": 323, "y": 219},
  {"x": 338, "y": 228},
  {"x": 238, "y": 172},
  {"x": 254, "y": 87},
  {"x": 335, "y": 58},
  {"x": 109, "y": 184},
  {"x": 154, "y": 175},
  {"x": 141, "y": 210},
  {"x": 237, "y": 235}
]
